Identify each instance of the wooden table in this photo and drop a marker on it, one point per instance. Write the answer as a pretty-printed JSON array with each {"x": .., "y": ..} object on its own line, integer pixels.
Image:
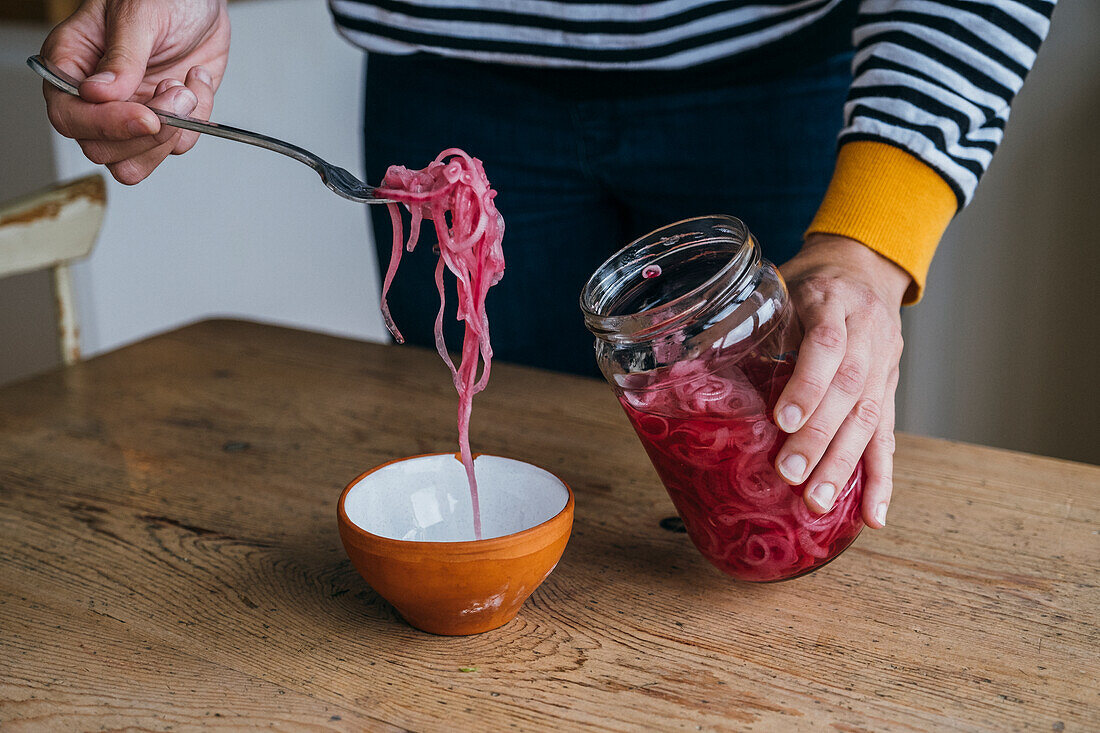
[{"x": 169, "y": 559}]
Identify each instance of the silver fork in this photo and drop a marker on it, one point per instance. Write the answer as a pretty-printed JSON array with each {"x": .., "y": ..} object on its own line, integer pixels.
[{"x": 339, "y": 180}]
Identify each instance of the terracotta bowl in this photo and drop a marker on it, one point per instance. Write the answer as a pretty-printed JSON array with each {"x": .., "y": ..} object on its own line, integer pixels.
[{"x": 407, "y": 526}]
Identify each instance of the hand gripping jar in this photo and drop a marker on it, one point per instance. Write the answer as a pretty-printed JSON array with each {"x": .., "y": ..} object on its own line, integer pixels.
[{"x": 694, "y": 333}]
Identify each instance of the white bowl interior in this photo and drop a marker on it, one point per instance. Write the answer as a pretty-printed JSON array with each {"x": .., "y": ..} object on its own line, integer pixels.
[{"x": 427, "y": 499}]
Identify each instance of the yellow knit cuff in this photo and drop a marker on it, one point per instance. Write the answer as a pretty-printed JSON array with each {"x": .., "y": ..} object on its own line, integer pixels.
[{"x": 890, "y": 201}]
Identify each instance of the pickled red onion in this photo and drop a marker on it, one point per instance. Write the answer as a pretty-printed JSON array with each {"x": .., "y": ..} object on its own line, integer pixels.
[
  {"x": 707, "y": 428},
  {"x": 453, "y": 184}
]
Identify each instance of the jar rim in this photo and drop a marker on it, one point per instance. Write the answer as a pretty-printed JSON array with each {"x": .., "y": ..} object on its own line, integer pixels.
[{"x": 610, "y": 281}]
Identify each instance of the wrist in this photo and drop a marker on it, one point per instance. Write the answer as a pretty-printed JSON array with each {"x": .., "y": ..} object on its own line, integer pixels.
[{"x": 889, "y": 279}]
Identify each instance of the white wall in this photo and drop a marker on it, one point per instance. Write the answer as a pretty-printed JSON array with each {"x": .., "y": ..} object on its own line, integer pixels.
[
  {"x": 236, "y": 230},
  {"x": 1002, "y": 351}
]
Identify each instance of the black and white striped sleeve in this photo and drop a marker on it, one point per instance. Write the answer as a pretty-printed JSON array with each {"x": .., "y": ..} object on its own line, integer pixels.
[{"x": 937, "y": 77}]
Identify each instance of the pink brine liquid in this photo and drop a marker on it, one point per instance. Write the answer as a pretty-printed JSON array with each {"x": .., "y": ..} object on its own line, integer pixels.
[
  {"x": 454, "y": 194},
  {"x": 710, "y": 435}
]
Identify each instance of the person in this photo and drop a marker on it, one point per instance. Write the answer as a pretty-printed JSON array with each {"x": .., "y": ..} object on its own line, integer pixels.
[{"x": 862, "y": 124}]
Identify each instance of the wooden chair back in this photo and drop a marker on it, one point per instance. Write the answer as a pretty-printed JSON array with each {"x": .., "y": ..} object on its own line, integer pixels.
[{"x": 50, "y": 229}]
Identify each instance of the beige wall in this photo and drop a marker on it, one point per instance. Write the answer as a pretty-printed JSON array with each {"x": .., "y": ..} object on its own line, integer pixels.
[{"x": 1004, "y": 348}]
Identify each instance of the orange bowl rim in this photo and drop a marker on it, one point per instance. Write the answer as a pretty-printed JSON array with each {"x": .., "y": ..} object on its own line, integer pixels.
[{"x": 458, "y": 545}]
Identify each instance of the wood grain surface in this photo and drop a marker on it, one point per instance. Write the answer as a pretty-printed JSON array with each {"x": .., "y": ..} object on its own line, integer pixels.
[{"x": 169, "y": 560}]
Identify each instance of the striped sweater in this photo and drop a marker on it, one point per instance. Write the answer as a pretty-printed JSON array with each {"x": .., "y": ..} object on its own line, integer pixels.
[{"x": 933, "y": 80}]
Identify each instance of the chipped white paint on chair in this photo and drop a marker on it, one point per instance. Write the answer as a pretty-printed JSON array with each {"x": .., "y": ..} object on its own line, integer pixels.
[{"x": 50, "y": 229}]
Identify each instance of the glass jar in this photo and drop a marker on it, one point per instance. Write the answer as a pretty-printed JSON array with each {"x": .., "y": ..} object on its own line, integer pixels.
[{"x": 694, "y": 334}]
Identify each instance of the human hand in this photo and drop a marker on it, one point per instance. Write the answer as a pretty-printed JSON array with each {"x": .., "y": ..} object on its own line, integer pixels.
[
  {"x": 839, "y": 402},
  {"x": 169, "y": 55}
]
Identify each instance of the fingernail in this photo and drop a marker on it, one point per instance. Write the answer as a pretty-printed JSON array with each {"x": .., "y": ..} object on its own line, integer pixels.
[
  {"x": 140, "y": 127},
  {"x": 165, "y": 85},
  {"x": 792, "y": 467},
  {"x": 184, "y": 101},
  {"x": 880, "y": 513},
  {"x": 789, "y": 418},
  {"x": 204, "y": 76},
  {"x": 103, "y": 77},
  {"x": 823, "y": 494}
]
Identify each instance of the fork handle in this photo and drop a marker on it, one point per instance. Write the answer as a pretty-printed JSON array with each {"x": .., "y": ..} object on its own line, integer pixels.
[
  {"x": 68, "y": 84},
  {"x": 240, "y": 135}
]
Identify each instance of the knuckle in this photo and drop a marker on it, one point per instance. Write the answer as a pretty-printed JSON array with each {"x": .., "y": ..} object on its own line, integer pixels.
[
  {"x": 892, "y": 333},
  {"x": 127, "y": 172},
  {"x": 168, "y": 132},
  {"x": 826, "y": 336},
  {"x": 845, "y": 460},
  {"x": 112, "y": 129},
  {"x": 892, "y": 385},
  {"x": 815, "y": 285},
  {"x": 867, "y": 300},
  {"x": 814, "y": 383},
  {"x": 867, "y": 414},
  {"x": 817, "y": 434},
  {"x": 95, "y": 152},
  {"x": 850, "y": 377},
  {"x": 897, "y": 342}
]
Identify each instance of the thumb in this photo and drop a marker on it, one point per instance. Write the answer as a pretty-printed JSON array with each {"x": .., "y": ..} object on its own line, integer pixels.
[{"x": 122, "y": 66}]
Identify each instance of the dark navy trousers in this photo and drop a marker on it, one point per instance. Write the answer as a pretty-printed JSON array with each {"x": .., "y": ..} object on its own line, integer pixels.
[{"x": 585, "y": 164}]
